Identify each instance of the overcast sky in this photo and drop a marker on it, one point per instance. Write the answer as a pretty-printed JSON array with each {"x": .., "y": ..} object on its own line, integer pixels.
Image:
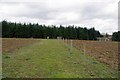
[{"x": 101, "y": 14}]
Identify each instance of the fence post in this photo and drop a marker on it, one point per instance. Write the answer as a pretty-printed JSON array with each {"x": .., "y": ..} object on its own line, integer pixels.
[
  {"x": 84, "y": 48},
  {"x": 70, "y": 46}
]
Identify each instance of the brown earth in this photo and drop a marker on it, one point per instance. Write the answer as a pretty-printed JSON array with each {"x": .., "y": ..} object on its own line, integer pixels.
[
  {"x": 10, "y": 44},
  {"x": 105, "y": 52}
]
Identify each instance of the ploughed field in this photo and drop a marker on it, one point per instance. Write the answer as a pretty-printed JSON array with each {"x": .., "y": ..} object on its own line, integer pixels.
[
  {"x": 105, "y": 52},
  {"x": 11, "y": 44},
  {"x": 50, "y": 58}
]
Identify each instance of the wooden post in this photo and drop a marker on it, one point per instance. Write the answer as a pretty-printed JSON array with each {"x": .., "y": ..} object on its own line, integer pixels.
[
  {"x": 65, "y": 42},
  {"x": 70, "y": 46},
  {"x": 84, "y": 48}
]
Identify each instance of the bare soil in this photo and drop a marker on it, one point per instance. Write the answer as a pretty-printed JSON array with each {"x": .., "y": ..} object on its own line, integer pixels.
[
  {"x": 105, "y": 52},
  {"x": 10, "y": 44}
]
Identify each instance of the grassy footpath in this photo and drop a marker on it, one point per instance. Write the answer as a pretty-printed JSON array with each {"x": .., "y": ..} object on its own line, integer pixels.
[{"x": 51, "y": 59}]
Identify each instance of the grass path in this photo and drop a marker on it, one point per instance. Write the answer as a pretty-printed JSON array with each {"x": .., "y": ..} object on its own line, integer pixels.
[{"x": 51, "y": 59}]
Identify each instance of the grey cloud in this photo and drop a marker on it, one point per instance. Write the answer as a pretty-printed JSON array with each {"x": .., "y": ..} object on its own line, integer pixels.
[
  {"x": 31, "y": 10},
  {"x": 93, "y": 10},
  {"x": 41, "y": 10}
]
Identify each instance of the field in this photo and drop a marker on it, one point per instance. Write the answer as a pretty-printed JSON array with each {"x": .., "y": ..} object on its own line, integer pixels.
[
  {"x": 105, "y": 52},
  {"x": 9, "y": 45},
  {"x": 50, "y": 58}
]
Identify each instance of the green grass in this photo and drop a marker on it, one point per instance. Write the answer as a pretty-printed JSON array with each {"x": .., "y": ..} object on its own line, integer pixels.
[{"x": 52, "y": 59}]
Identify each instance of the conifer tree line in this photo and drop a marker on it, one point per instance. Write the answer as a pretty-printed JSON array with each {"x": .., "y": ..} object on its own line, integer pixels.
[{"x": 19, "y": 30}]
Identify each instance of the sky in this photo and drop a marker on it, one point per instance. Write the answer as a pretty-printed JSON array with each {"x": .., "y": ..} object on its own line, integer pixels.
[{"x": 100, "y": 14}]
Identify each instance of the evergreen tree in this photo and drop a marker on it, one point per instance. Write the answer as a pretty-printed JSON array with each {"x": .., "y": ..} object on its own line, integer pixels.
[
  {"x": 116, "y": 36},
  {"x": 19, "y": 30}
]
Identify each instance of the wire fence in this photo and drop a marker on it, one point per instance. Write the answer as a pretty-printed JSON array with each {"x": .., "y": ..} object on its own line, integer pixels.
[{"x": 105, "y": 52}]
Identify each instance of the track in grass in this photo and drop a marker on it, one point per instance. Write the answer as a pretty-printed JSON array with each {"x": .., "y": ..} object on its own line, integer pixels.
[{"x": 52, "y": 59}]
